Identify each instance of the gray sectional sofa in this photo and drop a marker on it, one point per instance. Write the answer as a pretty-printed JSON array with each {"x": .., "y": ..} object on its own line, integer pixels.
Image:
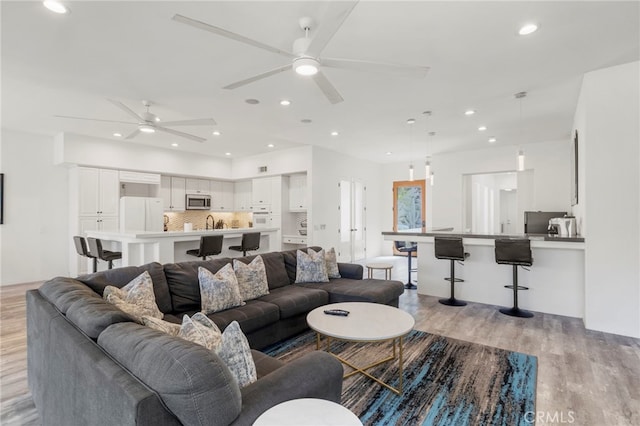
[{"x": 90, "y": 363}]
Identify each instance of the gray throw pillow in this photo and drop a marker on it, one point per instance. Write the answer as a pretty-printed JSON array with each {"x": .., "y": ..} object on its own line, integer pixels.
[
  {"x": 252, "y": 278},
  {"x": 331, "y": 261},
  {"x": 219, "y": 291},
  {"x": 236, "y": 354},
  {"x": 136, "y": 298},
  {"x": 201, "y": 330},
  {"x": 311, "y": 267}
]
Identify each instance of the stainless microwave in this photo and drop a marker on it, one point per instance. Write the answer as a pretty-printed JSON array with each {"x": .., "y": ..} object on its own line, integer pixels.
[{"x": 198, "y": 202}]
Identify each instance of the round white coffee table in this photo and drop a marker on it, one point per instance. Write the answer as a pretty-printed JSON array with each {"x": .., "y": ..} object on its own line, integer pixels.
[
  {"x": 307, "y": 412},
  {"x": 366, "y": 322}
]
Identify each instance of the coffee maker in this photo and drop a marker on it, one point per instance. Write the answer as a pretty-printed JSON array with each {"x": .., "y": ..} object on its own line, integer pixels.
[{"x": 562, "y": 226}]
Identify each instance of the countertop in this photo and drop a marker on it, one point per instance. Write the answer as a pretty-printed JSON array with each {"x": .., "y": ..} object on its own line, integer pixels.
[
  {"x": 111, "y": 235},
  {"x": 450, "y": 232}
]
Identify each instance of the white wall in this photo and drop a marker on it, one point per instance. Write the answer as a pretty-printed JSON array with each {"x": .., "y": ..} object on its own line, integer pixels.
[
  {"x": 33, "y": 244},
  {"x": 607, "y": 120},
  {"x": 293, "y": 160}
]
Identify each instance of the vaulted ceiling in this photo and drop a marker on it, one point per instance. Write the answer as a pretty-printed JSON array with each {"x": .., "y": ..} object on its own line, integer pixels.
[{"x": 133, "y": 51}]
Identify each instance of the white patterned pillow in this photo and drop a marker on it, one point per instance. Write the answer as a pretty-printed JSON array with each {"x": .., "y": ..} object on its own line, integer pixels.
[
  {"x": 136, "y": 298},
  {"x": 311, "y": 267},
  {"x": 252, "y": 278},
  {"x": 236, "y": 354},
  {"x": 201, "y": 330},
  {"x": 170, "y": 328},
  {"x": 218, "y": 291},
  {"x": 331, "y": 260}
]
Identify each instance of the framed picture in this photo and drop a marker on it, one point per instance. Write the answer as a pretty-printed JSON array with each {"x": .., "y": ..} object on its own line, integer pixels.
[{"x": 574, "y": 170}]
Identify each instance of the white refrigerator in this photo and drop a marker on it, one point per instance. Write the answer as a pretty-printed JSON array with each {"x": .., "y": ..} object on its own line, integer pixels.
[{"x": 141, "y": 214}]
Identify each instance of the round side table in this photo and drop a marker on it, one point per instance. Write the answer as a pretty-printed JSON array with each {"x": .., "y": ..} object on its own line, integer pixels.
[
  {"x": 387, "y": 267},
  {"x": 308, "y": 412}
]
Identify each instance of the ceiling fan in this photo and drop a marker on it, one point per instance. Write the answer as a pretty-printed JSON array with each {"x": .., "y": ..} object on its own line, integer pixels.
[
  {"x": 305, "y": 55},
  {"x": 148, "y": 122}
]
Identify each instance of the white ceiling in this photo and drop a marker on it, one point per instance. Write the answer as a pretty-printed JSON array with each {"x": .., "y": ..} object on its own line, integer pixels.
[{"x": 130, "y": 51}]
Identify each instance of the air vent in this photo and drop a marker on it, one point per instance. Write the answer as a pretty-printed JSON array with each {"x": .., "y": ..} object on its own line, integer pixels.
[{"x": 262, "y": 169}]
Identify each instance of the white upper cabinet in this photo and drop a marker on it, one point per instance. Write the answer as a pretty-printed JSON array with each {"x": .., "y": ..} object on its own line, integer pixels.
[
  {"x": 298, "y": 192},
  {"x": 242, "y": 195},
  {"x": 99, "y": 192},
  {"x": 222, "y": 196},
  {"x": 197, "y": 186},
  {"x": 172, "y": 190},
  {"x": 261, "y": 191}
]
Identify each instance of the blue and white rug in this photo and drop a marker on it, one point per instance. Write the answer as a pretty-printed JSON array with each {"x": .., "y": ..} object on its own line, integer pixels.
[{"x": 446, "y": 381}]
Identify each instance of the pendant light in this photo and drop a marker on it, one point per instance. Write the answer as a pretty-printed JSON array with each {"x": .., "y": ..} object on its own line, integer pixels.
[
  {"x": 411, "y": 122},
  {"x": 427, "y": 163},
  {"x": 520, "y": 96}
]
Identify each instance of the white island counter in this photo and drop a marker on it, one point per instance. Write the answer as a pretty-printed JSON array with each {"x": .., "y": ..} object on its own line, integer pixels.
[{"x": 143, "y": 247}]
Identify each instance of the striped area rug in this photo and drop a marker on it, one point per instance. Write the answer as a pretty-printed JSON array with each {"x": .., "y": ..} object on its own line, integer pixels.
[{"x": 446, "y": 381}]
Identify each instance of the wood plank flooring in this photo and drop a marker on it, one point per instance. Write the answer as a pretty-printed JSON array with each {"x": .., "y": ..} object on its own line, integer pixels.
[{"x": 584, "y": 377}]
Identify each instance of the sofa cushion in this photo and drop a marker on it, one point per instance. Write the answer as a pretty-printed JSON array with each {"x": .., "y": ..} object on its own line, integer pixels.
[
  {"x": 219, "y": 291},
  {"x": 119, "y": 277},
  {"x": 62, "y": 292},
  {"x": 295, "y": 300},
  {"x": 252, "y": 316},
  {"x": 182, "y": 280},
  {"x": 93, "y": 315},
  {"x": 370, "y": 290},
  {"x": 195, "y": 384},
  {"x": 252, "y": 278},
  {"x": 136, "y": 298},
  {"x": 291, "y": 262},
  {"x": 274, "y": 267},
  {"x": 236, "y": 354}
]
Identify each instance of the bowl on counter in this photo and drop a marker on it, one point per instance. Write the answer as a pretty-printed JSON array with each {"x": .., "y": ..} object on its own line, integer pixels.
[{"x": 302, "y": 231}]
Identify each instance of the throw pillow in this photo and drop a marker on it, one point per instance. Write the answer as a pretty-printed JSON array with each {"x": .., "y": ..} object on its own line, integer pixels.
[
  {"x": 161, "y": 325},
  {"x": 201, "y": 330},
  {"x": 136, "y": 298},
  {"x": 218, "y": 291},
  {"x": 311, "y": 267},
  {"x": 252, "y": 278},
  {"x": 236, "y": 354},
  {"x": 331, "y": 261}
]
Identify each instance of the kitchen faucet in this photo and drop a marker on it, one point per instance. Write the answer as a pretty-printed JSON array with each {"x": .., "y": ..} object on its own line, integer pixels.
[{"x": 207, "y": 222}]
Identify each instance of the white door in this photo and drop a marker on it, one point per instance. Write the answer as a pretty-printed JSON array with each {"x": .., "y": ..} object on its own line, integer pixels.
[
  {"x": 508, "y": 207},
  {"x": 352, "y": 210}
]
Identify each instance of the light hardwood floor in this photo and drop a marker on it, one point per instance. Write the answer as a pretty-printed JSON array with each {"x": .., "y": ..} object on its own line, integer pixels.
[{"x": 584, "y": 377}]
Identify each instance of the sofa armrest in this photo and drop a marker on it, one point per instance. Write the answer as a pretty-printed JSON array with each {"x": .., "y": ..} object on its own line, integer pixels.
[
  {"x": 314, "y": 375},
  {"x": 350, "y": 270}
]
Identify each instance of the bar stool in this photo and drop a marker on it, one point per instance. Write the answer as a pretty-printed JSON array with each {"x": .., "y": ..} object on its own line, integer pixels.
[
  {"x": 209, "y": 245},
  {"x": 515, "y": 252},
  {"x": 451, "y": 248},
  {"x": 409, "y": 248},
  {"x": 250, "y": 242},
  {"x": 81, "y": 248},
  {"x": 95, "y": 249}
]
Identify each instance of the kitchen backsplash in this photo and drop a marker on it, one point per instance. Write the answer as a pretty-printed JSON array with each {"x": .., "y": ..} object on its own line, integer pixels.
[{"x": 198, "y": 218}]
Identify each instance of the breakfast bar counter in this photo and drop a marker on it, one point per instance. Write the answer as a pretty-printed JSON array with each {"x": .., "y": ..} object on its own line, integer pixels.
[{"x": 555, "y": 280}]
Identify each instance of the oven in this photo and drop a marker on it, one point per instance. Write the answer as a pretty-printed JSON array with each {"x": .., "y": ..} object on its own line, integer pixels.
[{"x": 261, "y": 219}]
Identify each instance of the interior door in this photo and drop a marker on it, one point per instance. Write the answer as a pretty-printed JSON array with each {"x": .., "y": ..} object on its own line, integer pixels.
[
  {"x": 508, "y": 207},
  {"x": 352, "y": 210}
]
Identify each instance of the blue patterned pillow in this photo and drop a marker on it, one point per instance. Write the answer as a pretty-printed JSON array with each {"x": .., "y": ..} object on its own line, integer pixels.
[
  {"x": 311, "y": 267},
  {"x": 236, "y": 354},
  {"x": 137, "y": 298},
  {"x": 218, "y": 291},
  {"x": 201, "y": 330},
  {"x": 252, "y": 278}
]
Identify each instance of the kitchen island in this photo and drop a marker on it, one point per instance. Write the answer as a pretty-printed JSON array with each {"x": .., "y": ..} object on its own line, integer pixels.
[
  {"x": 555, "y": 280},
  {"x": 143, "y": 247}
]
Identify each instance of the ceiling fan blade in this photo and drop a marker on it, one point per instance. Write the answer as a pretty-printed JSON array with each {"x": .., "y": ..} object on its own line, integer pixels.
[
  {"x": 181, "y": 134},
  {"x": 333, "y": 19},
  {"x": 196, "y": 122},
  {"x": 228, "y": 34},
  {"x": 133, "y": 134},
  {"x": 353, "y": 64},
  {"x": 126, "y": 109},
  {"x": 257, "y": 77},
  {"x": 327, "y": 88},
  {"x": 94, "y": 119}
]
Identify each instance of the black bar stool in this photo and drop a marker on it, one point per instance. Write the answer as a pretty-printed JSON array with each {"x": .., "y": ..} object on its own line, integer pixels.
[
  {"x": 409, "y": 248},
  {"x": 95, "y": 249},
  {"x": 81, "y": 248},
  {"x": 451, "y": 248},
  {"x": 250, "y": 242},
  {"x": 516, "y": 252},
  {"x": 209, "y": 245}
]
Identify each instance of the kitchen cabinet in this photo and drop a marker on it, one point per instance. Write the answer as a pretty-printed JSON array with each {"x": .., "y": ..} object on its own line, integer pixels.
[
  {"x": 242, "y": 195},
  {"x": 298, "y": 192},
  {"x": 197, "y": 186},
  {"x": 261, "y": 191},
  {"x": 98, "y": 192},
  {"x": 173, "y": 192},
  {"x": 222, "y": 195}
]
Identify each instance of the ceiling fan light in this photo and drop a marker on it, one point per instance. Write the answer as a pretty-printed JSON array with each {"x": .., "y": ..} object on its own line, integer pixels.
[
  {"x": 306, "y": 66},
  {"x": 55, "y": 6},
  {"x": 145, "y": 128}
]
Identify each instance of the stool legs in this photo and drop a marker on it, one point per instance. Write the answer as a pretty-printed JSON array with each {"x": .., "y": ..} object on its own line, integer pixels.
[
  {"x": 515, "y": 311},
  {"x": 409, "y": 285},
  {"x": 95, "y": 265},
  {"x": 452, "y": 301}
]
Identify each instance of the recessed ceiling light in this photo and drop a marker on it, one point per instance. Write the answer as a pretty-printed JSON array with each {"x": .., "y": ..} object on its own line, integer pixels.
[
  {"x": 389, "y": 153},
  {"x": 411, "y": 121},
  {"x": 528, "y": 29},
  {"x": 492, "y": 140},
  {"x": 174, "y": 144},
  {"x": 157, "y": 119},
  {"x": 117, "y": 135},
  {"x": 334, "y": 133},
  {"x": 270, "y": 145},
  {"x": 482, "y": 128},
  {"x": 216, "y": 133},
  {"x": 285, "y": 102},
  {"x": 227, "y": 153},
  {"x": 469, "y": 112},
  {"x": 252, "y": 101},
  {"x": 55, "y": 6}
]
